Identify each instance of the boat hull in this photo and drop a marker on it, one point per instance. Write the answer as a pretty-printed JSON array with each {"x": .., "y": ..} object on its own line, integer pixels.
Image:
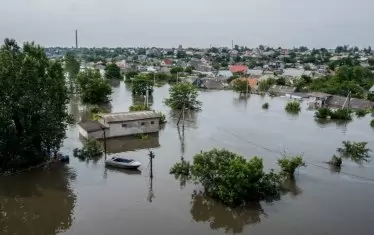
[{"x": 122, "y": 165}]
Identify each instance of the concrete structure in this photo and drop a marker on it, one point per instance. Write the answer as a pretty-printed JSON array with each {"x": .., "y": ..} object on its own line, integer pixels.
[
  {"x": 371, "y": 90},
  {"x": 121, "y": 124}
]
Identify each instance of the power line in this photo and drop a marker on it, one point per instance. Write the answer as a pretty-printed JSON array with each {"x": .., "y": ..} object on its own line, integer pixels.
[{"x": 278, "y": 152}]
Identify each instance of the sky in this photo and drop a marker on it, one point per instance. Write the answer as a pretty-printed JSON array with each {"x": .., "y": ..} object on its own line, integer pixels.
[{"x": 190, "y": 23}]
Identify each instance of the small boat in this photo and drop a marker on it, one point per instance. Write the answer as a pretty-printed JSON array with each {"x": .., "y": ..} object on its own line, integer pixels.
[{"x": 123, "y": 163}]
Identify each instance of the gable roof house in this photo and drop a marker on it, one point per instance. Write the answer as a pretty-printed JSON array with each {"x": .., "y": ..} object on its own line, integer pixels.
[
  {"x": 224, "y": 74},
  {"x": 255, "y": 72},
  {"x": 238, "y": 69}
]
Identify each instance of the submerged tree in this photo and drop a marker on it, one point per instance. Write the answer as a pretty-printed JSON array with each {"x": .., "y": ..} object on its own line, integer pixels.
[
  {"x": 293, "y": 107},
  {"x": 33, "y": 111},
  {"x": 112, "y": 71},
  {"x": 183, "y": 94},
  {"x": 72, "y": 66},
  {"x": 94, "y": 89},
  {"x": 289, "y": 164},
  {"x": 241, "y": 85},
  {"x": 356, "y": 151},
  {"x": 140, "y": 85}
]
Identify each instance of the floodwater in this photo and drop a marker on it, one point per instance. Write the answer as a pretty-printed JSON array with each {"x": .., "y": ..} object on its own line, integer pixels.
[{"x": 87, "y": 198}]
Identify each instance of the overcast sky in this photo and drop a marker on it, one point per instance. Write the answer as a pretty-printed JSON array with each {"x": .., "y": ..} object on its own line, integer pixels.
[{"x": 201, "y": 23}]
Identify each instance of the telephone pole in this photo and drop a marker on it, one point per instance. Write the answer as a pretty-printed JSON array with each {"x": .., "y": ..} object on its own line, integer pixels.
[
  {"x": 104, "y": 134},
  {"x": 151, "y": 157}
]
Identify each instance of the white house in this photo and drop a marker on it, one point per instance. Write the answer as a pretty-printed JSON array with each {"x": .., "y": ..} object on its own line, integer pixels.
[
  {"x": 121, "y": 124},
  {"x": 371, "y": 90}
]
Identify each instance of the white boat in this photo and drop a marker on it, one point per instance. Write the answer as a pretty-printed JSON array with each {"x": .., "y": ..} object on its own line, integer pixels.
[{"x": 123, "y": 163}]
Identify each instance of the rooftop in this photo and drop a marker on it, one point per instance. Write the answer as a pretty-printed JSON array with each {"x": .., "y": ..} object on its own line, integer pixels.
[
  {"x": 91, "y": 126},
  {"x": 129, "y": 116}
]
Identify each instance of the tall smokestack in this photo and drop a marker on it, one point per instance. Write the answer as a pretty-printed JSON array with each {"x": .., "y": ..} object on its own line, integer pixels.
[
  {"x": 232, "y": 44},
  {"x": 76, "y": 39}
]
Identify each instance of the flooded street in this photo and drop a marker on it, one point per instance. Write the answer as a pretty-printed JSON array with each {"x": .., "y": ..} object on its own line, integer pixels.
[{"x": 87, "y": 198}]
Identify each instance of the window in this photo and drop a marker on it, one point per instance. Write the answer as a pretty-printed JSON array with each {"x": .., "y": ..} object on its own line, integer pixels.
[
  {"x": 142, "y": 123},
  {"x": 152, "y": 122},
  {"x": 124, "y": 125}
]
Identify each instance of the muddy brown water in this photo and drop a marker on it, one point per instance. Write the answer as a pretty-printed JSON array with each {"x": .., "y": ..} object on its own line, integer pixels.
[{"x": 87, "y": 198}]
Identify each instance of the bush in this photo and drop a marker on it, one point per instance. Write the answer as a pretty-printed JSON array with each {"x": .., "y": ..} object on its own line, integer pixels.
[
  {"x": 336, "y": 161},
  {"x": 293, "y": 107},
  {"x": 162, "y": 118},
  {"x": 372, "y": 123},
  {"x": 356, "y": 151},
  {"x": 289, "y": 164},
  {"x": 265, "y": 106},
  {"x": 231, "y": 178},
  {"x": 91, "y": 150},
  {"x": 181, "y": 168},
  {"x": 341, "y": 114},
  {"x": 323, "y": 113},
  {"x": 361, "y": 112},
  {"x": 138, "y": 107}
]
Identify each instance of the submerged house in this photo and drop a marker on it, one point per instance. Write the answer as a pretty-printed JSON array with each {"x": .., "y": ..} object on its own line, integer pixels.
[{"x": 121, "y": 124}]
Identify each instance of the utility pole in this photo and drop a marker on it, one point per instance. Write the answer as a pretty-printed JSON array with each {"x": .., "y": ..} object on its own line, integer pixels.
[
  {"x": 349, "y": 100},
  {"x": 154, "y": 79},
  {"x": 104, "y": 133},
  {"x": 246, "y": 89},
  {"x": 232, "y": 44},
  {"x": 151, "y": 157},
  {"x": 146, "y": 97}
]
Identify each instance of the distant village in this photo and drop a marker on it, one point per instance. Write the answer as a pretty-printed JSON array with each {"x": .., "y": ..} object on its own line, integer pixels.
[{"x": 216, "y": 68}]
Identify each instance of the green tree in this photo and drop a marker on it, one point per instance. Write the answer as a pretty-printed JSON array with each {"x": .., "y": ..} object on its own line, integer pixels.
[
  {"x": 112, "y": 71},
  {"x": 183, "y": 94},
  {"x": 141, "y": 83},
  {"x": 289, "y": 164},
  {"x": 231, "y": 178},
  {"x": 94, "y": 89},
  {"x": 33, "y": 110},
  {"x": 175, "y": 70},
  {"x": 280, "y": 81},
  {"x": 72, "y": 65},
  {"x": 189, "y": 69},
  {"x": 241, "y": 85}
]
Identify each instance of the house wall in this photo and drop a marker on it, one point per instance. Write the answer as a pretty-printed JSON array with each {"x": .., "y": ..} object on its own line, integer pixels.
[
  {"x": 82, "y": 132},
  {"x": 133, "y": 127},
  {"x": 97, "y": 134}
]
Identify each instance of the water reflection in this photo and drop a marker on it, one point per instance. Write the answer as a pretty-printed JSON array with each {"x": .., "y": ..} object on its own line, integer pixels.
[
  {"x": 190, "y": 118},
  {"x": 231, "y": 220},
  {"x": 132, "y": 143},
  {"x": 37, "y": 202},
  {"x": 115, "y": 82},
  {"x": 290, "y": 186},
  {"x": 141, "y": 100},
  {"x": 342, "y": 125}
]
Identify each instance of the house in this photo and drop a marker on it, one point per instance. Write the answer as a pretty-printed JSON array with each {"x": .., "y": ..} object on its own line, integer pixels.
[
  {"x": 224, "y": 74},
  {"x": 339, "y": 101},
  {"x": 255, "y": 72},
  {"x": 204, "y": 68},
  {"x": 238, "y": 69},
  {"x": 252, "y": 82},
  {"x": 318, "y": 99},
  {"x": 142, "y": 58},
  {"x": 371, "y": 90},
  {"x": 121, "y": 124},
  {"x": 208, "y": 83},
  {"x": 167, "y": 63},
  {"x": 282, "y": 90},
  {"x": 293, "y": 73}
]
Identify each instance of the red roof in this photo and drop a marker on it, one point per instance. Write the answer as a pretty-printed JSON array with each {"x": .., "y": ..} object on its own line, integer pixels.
[
  {"x": 168, "y": 62},
  {"x": 238, "y": 68}
]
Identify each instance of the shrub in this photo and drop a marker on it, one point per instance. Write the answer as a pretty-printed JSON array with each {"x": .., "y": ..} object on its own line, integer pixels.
[
  {"x": 91, "y": 150},
  {"x": 162, "y": 118},
  {"x": 361, "y": 112},
  {"x": 336, "y": 161},
  {"x": 265, "y": 106},
  {"x": 323, "y": 113},
  {"x": 181, "y": 168},
  {"x": 289, "y": 164},
  {"x": 341, "y": 114},
  {"x": 138, "y": 107},
  {"x": 372, "y": 123},
  {"x": 293, "y": 107},
  {"x": 356, "y": 151},
  {"x": 231, "y": 178}
]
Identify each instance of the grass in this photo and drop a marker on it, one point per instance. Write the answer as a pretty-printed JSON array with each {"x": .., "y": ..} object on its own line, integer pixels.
[
  {"x": 265, "y": 106},
  {"x": 293, "y": 107}
]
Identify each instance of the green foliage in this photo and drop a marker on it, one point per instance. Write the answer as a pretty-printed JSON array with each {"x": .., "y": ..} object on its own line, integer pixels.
[
  {"x": 130, "y": 75},
  {"x": 266, "y": 84},
  {"x": 355, "y": 79},
  {"x": 372, "y": 123},
  {"x": 162, "y": 118},
  {"x": 138, "y": 107},
  {"x": 112, "y": 71},
  {"x": 181, "y": 168},
  {"x": 289, "y": 164},
  {"x": 265, "y": 106},
  {"x": 293, "y": 107},
  {"x": 336, "y": 161},
  {"x": 231, "y": 178},
  {"x": 175, "y": 70},
  {"x": 140, "y": 84},
  {"x": 370, "y": 96},
  {"x": 241, "y": 85},
  {"x": 72, "y": 65},
  {"x": 142, "y": 136},
  {"x": 189, "y": 69},
  {"x": 280, "y": 81},
  {"x": 94, "y": 89},
  {"x": 341, "y": 114},
  {"x": 33, "y": 110},
  {"x": 323, "y": 113},
  {"x": 183, "y": 94},
  {"x": 356, "y": 151},
  {"x": 361, "y": 112},
  {"x": 91, "y": 150}
]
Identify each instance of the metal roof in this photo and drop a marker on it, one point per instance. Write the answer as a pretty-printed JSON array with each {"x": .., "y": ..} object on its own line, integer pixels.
[
  {"x": 129, "y": 116},
  {"x": 91, "y": 126}
]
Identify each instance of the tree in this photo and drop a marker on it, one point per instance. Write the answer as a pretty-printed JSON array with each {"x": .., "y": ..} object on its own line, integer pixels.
[
  {"x": 183, "y": 94},
  {"x": 231, "y": 178},
  {"x": 175, "y": 70},
  {"x": 280, "y": 81},
  {"x": 356, "y": 151},
  {"x": 72, "y": 65},
  {"x": 140, "y": 84},
  {"x": 241, "y": 85},
  {"x": 112, "y": 71},
  {"x": 289, "y": 164},
  {"x": 189, "y": 69},
  {"x": 94, "y": 89},
  {"x": 293, "y": 107},
  {"x": 33, "y": 111}
]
